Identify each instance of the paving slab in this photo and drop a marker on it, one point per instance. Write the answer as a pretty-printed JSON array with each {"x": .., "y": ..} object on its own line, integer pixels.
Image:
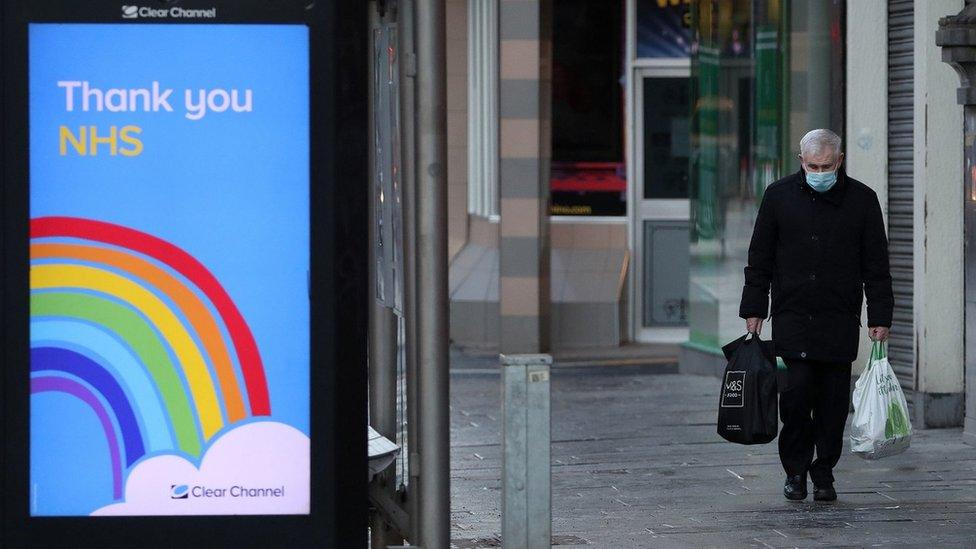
[{"x": 636, "y": 462}]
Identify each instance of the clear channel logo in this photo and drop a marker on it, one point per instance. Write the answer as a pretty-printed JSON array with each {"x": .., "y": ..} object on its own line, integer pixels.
[
  {"x": 185, "y": 491},
  {"x": 176, "y": 12}
]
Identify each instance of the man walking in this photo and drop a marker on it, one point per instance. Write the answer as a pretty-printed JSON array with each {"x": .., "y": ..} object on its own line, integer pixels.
[{"x": 819, "y": 243}]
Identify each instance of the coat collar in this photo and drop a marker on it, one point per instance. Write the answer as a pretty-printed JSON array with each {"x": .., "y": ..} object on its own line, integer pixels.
[{"x": 834, "y": 195}]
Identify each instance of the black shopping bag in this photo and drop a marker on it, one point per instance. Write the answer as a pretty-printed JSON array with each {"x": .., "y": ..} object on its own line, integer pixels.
[{"x": 747, "y": 410}]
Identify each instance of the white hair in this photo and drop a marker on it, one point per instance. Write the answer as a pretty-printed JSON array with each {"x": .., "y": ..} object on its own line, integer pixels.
[{"x": 816, "y": 141}]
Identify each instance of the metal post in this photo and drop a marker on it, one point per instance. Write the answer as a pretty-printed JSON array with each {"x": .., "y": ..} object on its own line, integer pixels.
[
  {"x": 431, "y": 253},
  {"x": 408, "y": 73},
  {"x": 526, "y": 493},
  {"x": 957, "y": 37}
]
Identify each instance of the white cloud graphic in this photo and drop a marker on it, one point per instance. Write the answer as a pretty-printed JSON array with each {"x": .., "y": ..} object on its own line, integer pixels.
[{"x": 259, "y": 468}]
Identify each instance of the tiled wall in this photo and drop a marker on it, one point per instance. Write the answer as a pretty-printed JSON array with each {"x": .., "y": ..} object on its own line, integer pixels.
[
  {"x": 593, "y": 236},
  {"x": 588, "y": 236},
  {"x": 589, "y": 262},
  {"x": 524, "y": 97},
  {"x": 590, "y": 256},
  {"x": 482, "y": 232}
]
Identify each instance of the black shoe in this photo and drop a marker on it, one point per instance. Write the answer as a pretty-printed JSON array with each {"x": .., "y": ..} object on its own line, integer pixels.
[
  {"x": 824, "y": 493},
  {"x": 795, "y": 488}
]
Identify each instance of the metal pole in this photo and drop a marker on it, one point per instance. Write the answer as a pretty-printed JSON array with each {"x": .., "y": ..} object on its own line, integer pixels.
[
  {"x": 432, "y": 306},
  {"x": 408, "y": 72}
]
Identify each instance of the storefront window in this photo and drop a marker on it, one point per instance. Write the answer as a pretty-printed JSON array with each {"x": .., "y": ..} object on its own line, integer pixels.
[
  {"x": 589, "y": 174},
  {"x": 588, "y": 171},
  {"x": 764, "y": 72}
]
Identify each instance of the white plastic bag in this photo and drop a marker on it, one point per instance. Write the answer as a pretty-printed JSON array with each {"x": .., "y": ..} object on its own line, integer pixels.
[{"x": 881, "y": 427}]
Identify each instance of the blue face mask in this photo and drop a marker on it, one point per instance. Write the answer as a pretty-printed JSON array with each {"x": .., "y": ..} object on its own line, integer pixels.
[{"x": 823, "y": 181}]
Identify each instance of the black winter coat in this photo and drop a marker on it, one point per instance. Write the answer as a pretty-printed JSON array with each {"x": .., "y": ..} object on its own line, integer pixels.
[{"x": 821, "y": 253}]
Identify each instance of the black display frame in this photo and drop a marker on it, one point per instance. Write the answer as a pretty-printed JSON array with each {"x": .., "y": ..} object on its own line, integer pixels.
[{"x": 338, "y": 258}]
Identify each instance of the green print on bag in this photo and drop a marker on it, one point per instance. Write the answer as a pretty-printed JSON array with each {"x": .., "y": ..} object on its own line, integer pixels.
[
  {"x": 897, "y": 423},
  {"x": 886, "y": 382}
]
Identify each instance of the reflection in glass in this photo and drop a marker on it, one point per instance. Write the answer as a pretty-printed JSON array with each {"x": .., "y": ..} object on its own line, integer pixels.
[
  {"x": 663, "y": 28},
  {"x": 763, "y": 73}
]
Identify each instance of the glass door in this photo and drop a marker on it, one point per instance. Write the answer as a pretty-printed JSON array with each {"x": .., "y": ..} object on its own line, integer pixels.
[{"x": 659, "y": 215}]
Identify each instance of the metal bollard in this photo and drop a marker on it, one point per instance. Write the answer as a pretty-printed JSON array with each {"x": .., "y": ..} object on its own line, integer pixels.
[{"x": 526, "y": 493}]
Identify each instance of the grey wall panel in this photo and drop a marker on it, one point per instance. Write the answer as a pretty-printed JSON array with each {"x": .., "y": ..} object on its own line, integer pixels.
[{"x": 666, "y": 265}]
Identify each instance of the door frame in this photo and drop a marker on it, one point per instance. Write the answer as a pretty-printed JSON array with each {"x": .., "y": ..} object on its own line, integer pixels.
[{"x": 639, "y": 209}]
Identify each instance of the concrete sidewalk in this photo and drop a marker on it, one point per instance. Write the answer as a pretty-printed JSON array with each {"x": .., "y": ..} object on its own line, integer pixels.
[{"x": 637, "y": 463}]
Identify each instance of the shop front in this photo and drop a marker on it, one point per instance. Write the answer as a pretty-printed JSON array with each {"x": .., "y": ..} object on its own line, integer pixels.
[{"x": 763, "y": 73}]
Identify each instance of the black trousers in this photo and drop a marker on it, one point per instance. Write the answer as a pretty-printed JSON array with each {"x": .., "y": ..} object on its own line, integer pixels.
[{"x": 814, "y": 409}]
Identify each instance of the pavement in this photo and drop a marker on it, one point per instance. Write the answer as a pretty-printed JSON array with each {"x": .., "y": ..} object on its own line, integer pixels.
[{"x": 636, "y": 462}]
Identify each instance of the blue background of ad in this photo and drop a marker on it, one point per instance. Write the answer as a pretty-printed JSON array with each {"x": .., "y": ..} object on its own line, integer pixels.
[{"x": 231, "y": 189}]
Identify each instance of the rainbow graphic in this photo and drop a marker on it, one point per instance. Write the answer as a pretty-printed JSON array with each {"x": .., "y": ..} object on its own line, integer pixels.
[{"x": 142, "y": 333}]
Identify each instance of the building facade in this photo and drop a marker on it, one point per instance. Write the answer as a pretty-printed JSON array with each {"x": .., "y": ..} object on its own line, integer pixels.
[
  {"x": 872, "y": 72},
  {"x": 668, "y": 119}
]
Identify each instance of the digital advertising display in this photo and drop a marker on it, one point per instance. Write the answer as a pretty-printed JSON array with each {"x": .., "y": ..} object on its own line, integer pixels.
[{"x": 169, "y": 283}]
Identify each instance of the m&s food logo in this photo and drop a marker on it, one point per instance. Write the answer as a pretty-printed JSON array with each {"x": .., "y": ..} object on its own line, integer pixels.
[{"x": 733, "y": 388}]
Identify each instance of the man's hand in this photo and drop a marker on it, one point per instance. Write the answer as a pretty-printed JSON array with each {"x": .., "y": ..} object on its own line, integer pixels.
[
  {"x": 754, "y": 324},
  {"x": 878, "y": 333}
]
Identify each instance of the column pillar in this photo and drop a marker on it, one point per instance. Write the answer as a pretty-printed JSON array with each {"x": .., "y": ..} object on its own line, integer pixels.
[
  {"x": 957, "y": 37},
  {"x": 938, "y": 254},
  {"x": 525, "y": 46}
]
